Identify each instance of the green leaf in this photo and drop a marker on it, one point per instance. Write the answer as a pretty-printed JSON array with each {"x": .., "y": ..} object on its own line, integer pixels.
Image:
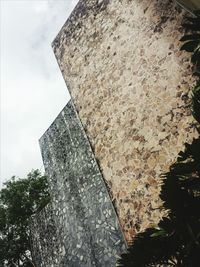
[
  {"x": 197, "y": 13},
  {"x": 191, "y": 27},
  {"x": 191, "y": 37},
  {"x": 190, "y": 46},
  {"x": 194, "y": 20},
  {"x": 196, "y": 57},
  {"x": 160, "y": 232},
  {"x": 196, "y": 101}
]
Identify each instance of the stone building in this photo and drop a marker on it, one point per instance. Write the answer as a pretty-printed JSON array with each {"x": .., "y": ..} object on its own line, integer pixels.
[
  {"x": 130, "y": 86},
  {"x": 80, "y": 225}
]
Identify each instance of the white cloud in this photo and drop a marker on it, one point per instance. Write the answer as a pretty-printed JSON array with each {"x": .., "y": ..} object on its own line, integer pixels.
[
  {"x": 32, "y": 89},
  {"x": 41, "y": 7}
]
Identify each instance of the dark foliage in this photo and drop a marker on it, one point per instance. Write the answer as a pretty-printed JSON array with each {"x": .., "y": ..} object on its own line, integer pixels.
[
  {"x": 192, "y": 40},
  {"x": 176, "y": 240},
  {"x": 196, "y": 101},
  {"x": 19, "y": 199}
]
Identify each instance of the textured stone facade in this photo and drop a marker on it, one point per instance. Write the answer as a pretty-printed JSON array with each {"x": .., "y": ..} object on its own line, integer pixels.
[
  {"x": 87, "y": 230},
  {"x": 47, "y": 248},
  {"x": 130, "y": 84}
]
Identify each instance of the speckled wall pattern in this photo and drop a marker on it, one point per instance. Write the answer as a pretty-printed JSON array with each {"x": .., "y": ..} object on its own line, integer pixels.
[
  {"x": 47, "y": 249},
  {"x": 129, "y": 83},
  {"x": 87, "y": 230}
]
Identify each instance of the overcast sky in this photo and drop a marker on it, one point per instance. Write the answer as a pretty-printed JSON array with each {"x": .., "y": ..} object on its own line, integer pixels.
[{"x": 33, "y": 91}]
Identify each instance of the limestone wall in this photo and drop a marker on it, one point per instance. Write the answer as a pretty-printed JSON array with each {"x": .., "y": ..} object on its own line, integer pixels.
[
  {"x": 87, "y": 230},
  {"x": 130, "y": 83}
]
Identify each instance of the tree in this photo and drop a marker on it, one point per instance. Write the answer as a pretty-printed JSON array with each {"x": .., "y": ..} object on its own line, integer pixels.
[{"x": 19, "y": 200}]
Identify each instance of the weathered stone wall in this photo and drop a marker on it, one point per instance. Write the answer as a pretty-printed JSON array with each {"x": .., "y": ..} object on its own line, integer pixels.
[
  {"x": 87, "y": 231},
  {"x": 130, "y": 83},
  {"x": 47, "y": 248}
]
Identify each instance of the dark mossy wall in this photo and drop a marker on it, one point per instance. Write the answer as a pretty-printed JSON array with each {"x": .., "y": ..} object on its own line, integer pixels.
[{"x": 87, "y": 228}]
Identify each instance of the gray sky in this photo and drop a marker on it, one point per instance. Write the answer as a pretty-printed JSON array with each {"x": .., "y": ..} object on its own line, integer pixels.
[{"x": 33, "y": 91}]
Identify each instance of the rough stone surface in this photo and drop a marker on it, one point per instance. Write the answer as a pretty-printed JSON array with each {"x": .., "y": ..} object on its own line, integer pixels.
[
  {"x": 47, "y": 249},
  {"x": 88, "y": 232},
  {"x": 130, "y": 85}
]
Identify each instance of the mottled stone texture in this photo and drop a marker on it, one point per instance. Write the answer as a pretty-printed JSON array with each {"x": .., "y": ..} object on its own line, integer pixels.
[
  {"x": 87, "y": 228},
  {"x": 130, "y": 84},
  {"x": 47, "y": 248}
]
